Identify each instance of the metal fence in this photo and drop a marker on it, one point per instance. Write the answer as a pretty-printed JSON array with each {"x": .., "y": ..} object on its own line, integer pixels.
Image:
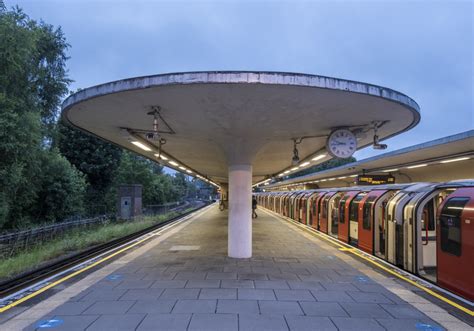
[{"x": 11, "y": 243}]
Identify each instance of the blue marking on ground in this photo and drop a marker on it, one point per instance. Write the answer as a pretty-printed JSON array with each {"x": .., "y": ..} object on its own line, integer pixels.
[
  {"x": 49, "y": 324},
  {"x": 361, "y": 279},
  {"x": 427, "y": 327},
  {"x": 115, "y": 277}
]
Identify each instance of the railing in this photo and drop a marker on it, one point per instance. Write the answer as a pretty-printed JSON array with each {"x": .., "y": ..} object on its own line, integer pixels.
[{"x": 11, "y": 243}]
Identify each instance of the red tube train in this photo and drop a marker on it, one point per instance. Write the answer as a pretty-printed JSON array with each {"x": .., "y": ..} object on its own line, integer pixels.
[{"x": 424, "y": 228}]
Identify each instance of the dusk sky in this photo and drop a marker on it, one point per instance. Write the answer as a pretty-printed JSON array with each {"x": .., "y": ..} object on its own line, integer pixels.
[{"x": 423, "y": 49}]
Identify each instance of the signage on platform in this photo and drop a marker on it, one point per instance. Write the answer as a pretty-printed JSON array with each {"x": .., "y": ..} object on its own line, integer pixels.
[{"x": 375, "y": 179}]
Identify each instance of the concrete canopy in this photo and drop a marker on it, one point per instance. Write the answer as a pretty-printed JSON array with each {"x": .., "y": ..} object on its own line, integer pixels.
[{"x": 211, "y": 120}]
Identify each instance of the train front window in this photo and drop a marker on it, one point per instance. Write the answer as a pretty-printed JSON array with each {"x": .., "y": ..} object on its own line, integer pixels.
[
  {"x": 366, "y": 212},
  {"x": 450, "y": 222}
]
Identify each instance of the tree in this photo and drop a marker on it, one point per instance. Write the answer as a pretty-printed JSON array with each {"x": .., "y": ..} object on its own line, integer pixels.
[
  {"x": 97, "y": 159},
  {"x": 62, "y": 188},
  {"x": 32, "y": 82},
  {"x": 323, "y": 166}
]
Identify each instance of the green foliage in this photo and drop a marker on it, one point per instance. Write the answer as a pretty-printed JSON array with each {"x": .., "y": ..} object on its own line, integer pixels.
[
  {"x": 32, "y": 66},
  {"x": 32, "y": 82},
  {"x": 62, "y": 188},
  {"x": 323, "y": 166},
  {"x": 49, "y": 171},
  {"x": 158, "y": 188},
  {"x": 97, "y": 159},
  {"x": 71, "y": 242}
]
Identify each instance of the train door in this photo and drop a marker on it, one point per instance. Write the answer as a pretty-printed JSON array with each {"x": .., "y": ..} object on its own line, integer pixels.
[
  {"x": 311, "y": 209},
  {"x": 303, "y": 208},
  {"x": 419, "y": 233},
  {"x": 455, "y": 242},
  {"x": 333, "y": 214},
  {"x": 294, "y": 206},
  {"x": 343, "y": 226},
  {"x": 380, "y": 224},
  {"x": 425, "y": 232},
  {"x": 290, "y": 205},
  {"x": 286, "y": 205},
  {"x": 297, "y": 204},
  {"x": 354, "y": 219},
  {"x": 323, "y": 216},
  {"x": 315, "y": 210},
  {"x": 318, "y": 207},
  {"x": 366, "y": 221}
]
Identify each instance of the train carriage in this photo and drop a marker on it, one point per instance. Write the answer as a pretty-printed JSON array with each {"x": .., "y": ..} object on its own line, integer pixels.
[{"x": 424, "y": 228}]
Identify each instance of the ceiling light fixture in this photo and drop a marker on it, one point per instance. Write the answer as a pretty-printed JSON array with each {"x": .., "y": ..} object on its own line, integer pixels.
[
  {"x": 142, "y": 146},
  {"x": 319, "y": 157},
  {"x": 417, "y": 166},
  {"x": 455, "y": 160}
]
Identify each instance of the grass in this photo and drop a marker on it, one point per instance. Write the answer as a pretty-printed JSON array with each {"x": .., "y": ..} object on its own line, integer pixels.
[{"x": 73, "y": 241}]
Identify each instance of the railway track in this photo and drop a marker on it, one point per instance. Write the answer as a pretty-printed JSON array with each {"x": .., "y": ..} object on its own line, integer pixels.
[{"x": 27, "y": 279}]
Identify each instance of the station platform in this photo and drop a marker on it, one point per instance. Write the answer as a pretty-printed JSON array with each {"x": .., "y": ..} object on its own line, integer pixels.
[{"x": 183, "y": 280}]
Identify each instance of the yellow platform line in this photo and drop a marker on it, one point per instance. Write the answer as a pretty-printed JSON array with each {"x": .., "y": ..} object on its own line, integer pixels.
[
  {"x": 62, "y": 280},
  {"x": 356, "y": 252}
]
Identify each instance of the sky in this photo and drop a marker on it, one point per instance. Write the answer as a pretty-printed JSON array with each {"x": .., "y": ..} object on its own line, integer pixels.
[{"x": 421, "y": 48}]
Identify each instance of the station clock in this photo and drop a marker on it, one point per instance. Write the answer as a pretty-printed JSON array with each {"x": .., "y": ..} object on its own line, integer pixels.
[{"x": 341, "y": 143}]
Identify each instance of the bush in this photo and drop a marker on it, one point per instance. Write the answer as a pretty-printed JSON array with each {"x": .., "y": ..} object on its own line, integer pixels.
[{"x": 62, "y": 188}]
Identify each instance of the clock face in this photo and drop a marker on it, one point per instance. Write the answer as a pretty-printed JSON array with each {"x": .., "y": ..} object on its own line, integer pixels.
[{"x": 341, "y": 143}]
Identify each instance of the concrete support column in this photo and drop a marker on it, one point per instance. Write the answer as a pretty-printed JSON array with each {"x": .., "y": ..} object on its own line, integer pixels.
[{"x": 240, "y": 211}]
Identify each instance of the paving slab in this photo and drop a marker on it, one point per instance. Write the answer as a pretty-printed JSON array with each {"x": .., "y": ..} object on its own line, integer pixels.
[
  {"x": 310, "y": 323},
  {"x": 214, "y": 322},
  {"x": 195, "y": 306},
  {"x": 165, "y": 322},
  {"x": 238, "y": 306},
  {"x": 116, "y": 322},
  {"x": 322, "y": 309},
  {"x": 256, "y": 294},
  {"x": 218, "y": 293},
  {"x": 356, "y": 324},
  {"x": 142, "y": 294},
  {"x": 280, "y": 307},
  {"x": 267, "y": 322},
  {"x": 152, "y": 307}
]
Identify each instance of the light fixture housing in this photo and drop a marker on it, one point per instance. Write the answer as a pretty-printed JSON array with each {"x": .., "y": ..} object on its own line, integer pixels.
[
  {"x": 417, "y": 166},
  {"x": 319, "y": 157},
  {"x": 455, "y": 160},
  {"x": 141, "y": 145}
]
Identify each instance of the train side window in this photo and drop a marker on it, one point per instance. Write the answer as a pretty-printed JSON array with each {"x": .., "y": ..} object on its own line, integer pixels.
[
  {"x": 354, "y": 207},
  {"x": 366, "y": 212},
  {"x": 428, "y": 216},
  {"x": 325, "y": 207},
  {"x": 450, "y": 223},
  {"x": 342, "y": 209}
]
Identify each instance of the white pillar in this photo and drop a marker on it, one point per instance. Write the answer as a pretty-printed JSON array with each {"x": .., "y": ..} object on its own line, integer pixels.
[{"x": 240, "y": 211}]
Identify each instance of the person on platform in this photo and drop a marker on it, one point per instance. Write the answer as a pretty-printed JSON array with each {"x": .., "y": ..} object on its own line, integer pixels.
[{"x": 254, "y": 207}]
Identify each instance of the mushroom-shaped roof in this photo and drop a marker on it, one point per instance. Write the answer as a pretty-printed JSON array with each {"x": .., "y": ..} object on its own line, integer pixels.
[{"x": 212, "y": 119}]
